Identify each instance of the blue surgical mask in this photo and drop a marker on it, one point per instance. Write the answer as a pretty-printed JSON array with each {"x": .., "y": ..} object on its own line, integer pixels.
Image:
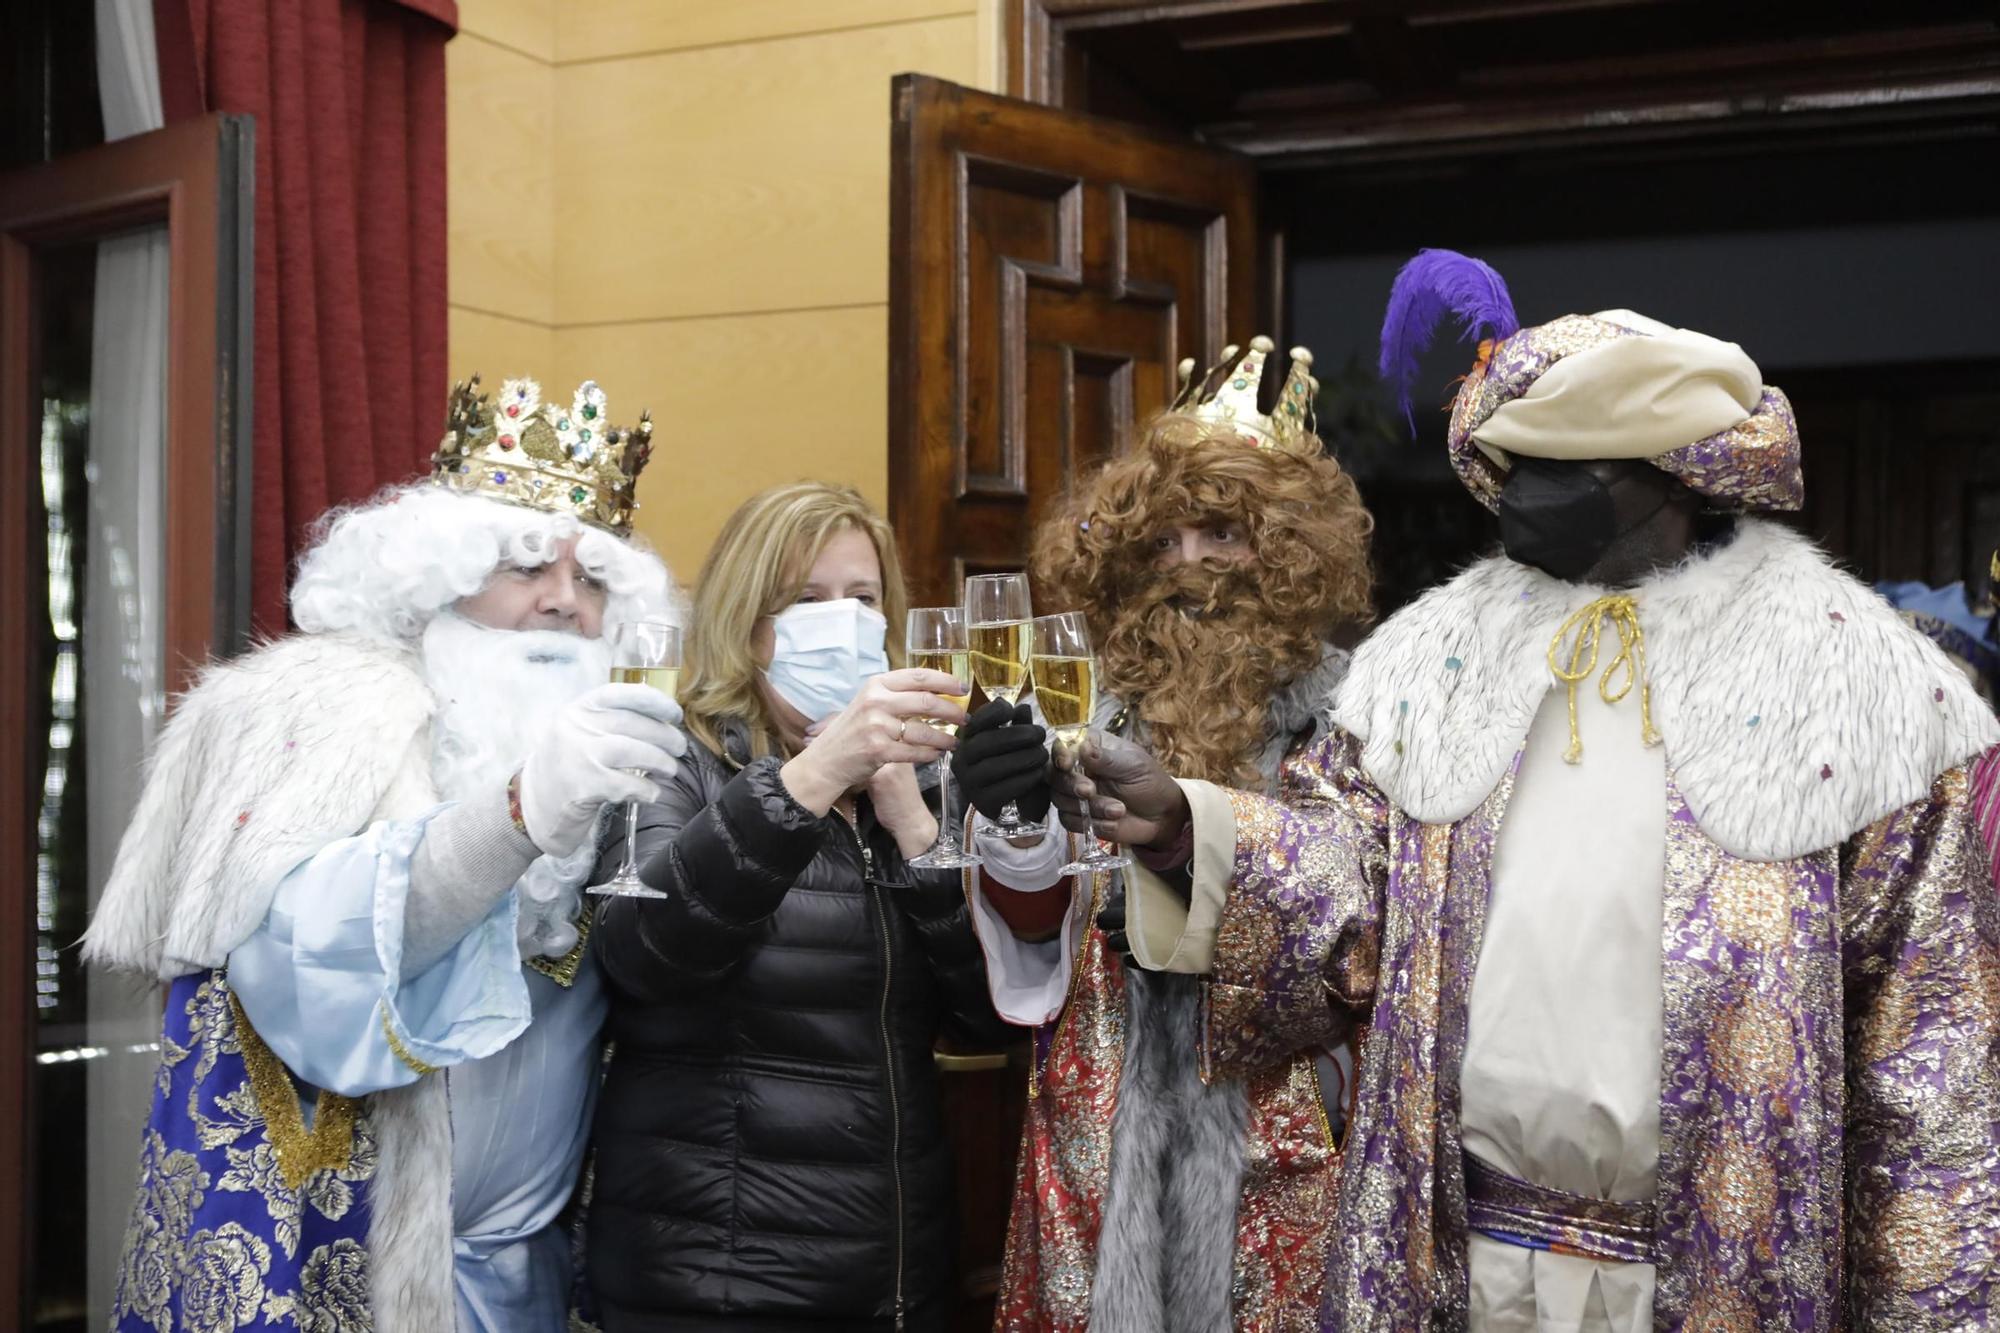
[{"x": 825, "y": 650}]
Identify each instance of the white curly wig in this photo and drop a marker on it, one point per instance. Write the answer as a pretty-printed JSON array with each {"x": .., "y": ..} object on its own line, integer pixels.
[{"x": 386, "y": 567}]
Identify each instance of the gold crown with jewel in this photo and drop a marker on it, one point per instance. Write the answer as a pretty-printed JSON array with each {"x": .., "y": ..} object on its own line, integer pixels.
[
  {"x": 1233, "y": 394},
  {"x": 564, "y": 460}
]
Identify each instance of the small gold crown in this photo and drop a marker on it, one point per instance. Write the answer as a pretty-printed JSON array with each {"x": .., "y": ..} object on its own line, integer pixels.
[
  {"x": 1234, "y": 393},
  {"x": 542, "y": 455}
]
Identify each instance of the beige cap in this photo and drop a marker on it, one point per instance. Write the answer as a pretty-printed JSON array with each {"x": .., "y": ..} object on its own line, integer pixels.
[{"x": 1627, "y": 397}]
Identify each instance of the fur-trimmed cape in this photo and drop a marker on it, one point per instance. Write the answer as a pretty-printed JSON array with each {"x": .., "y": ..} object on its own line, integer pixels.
[
  {"x": 1796, "y": 706},
  {"x": 269, "y": 758},
  {"x": 266, "y": 760}
]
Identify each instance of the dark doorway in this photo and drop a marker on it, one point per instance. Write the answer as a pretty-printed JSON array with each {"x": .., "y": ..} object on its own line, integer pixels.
[{"x": 1868, "y": 306}]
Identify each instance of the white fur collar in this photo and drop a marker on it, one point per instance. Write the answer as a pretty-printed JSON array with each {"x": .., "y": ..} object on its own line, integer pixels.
[
  {"x": 266, "y": 760},
  {"x": 1797, "y": 707}
]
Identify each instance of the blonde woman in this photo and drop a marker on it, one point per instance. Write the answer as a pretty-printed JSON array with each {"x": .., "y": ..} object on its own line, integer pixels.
[{"x": 770, "y": 1152}]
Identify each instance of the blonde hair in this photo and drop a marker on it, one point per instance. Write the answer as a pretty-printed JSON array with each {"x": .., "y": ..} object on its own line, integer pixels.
[{"x": 757, "y": 567}]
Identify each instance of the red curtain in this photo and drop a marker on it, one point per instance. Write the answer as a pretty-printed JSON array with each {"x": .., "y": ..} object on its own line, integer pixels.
[{"x": 350, "y": 374}]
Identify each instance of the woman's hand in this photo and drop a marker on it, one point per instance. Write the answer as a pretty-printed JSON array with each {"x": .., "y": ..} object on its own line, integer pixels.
[
  {"x": 886, "y": 724},
  {"x": 899, "y": 807}
]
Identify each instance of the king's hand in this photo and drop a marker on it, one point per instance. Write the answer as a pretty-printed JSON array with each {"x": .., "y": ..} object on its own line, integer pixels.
[
  {"x": 1117, "y": 789},
  {"x": 614, "y": 744}
]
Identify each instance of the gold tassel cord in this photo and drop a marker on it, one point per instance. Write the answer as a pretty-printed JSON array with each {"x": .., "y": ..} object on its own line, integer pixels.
[{"x": 1584, "y": 630}]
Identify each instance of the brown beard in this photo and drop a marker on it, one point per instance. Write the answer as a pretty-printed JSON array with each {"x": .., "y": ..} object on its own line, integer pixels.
[{"x": 1198, "y": 652}]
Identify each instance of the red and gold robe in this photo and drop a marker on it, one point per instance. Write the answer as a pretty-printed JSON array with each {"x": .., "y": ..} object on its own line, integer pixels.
[{"x": 1285, "y": 1201}]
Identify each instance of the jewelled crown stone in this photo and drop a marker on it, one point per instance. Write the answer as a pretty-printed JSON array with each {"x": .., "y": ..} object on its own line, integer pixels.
[
  {"x": 563, "y": 459},
  {"x": 1228, "y": 394}
]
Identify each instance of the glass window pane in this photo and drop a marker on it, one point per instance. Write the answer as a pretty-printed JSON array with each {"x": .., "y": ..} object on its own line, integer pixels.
[{"x": 101, "y": 314}]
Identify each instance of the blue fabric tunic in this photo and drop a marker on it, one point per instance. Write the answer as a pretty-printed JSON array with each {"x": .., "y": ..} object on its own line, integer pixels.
[
  {"x": 220, "y": 1238},
  {"x": 520, "y": 1122}
]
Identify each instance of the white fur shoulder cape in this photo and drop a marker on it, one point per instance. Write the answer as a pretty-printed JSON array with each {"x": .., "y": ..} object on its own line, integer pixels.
[
  {"x": 266, "y": 760},
  {"x": 1797, "y": 708}
]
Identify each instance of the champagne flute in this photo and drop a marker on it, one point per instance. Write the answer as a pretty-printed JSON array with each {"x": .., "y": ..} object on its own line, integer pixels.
[
  {"x": 997, "y": 613},
  {"x": 1065, "y": 675},
  {"x": 935, "y": 640},
  {"x": 643, "y": 652}
]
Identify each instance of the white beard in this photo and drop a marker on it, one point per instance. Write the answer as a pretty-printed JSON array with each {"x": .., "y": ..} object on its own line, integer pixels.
[{"x": 497, "y": 692}]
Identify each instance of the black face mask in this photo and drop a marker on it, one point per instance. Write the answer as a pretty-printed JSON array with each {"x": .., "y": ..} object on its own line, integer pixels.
[
  {"x": 1563, "y": 517},
  {"x": 1558, "y": 517}
]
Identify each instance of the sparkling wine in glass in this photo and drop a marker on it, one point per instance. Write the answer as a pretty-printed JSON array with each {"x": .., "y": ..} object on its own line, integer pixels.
[
  {"x": 997, "y": 616},
  {"x": 1065, "y": 674},
  {"x": 643, "y": 652},
  {"x": 936, "y": 641}
]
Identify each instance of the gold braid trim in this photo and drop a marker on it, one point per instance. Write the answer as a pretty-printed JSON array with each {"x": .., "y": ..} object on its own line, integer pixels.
[
  {"x": 1333, "y": 1145},
  {"x": 401, "y": 1051},
  {"x": 1588, "y": 626},
  {"x": 328, "y": 1146},
  {"x": 563, "y": 970}
]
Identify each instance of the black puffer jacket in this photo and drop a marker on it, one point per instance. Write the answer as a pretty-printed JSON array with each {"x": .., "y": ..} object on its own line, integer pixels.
[{"x": 770, "y": 1150}]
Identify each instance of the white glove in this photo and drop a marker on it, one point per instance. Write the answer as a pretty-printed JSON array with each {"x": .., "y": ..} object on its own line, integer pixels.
[{"x": 615, "y": 744}]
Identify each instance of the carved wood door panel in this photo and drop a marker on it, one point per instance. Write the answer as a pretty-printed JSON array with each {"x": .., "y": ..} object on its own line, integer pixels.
[{"x": 1047, "y": 272}]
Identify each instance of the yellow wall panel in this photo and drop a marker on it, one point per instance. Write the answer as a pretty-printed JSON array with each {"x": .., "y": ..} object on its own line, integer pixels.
[
  {"x": 740, "y": 403},
  {"x": 594, "y": 29},
  {"x": 498, "y": 349},
  {"x": 738, "y": 178},
  {"x": 528, "y": 26},
  {"x": 500, "y": 155},
  {"x": 714, "y": 178}
]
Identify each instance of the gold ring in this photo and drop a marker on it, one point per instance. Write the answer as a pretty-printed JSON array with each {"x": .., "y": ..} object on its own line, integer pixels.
[{"x": 902, "y": 731}]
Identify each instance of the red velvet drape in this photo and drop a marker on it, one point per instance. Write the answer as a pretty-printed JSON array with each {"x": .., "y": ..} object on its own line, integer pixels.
[{"x": 350, "y": 373}]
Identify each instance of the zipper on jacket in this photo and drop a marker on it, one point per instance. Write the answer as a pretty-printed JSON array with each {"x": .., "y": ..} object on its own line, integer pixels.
[{"x": 874, "y": 891}]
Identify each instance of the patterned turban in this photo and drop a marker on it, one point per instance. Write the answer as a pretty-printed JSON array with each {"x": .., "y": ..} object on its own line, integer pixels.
[{"x": 1609, "y": 385}]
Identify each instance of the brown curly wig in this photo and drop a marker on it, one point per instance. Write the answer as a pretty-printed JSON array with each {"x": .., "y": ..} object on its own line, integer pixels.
[{"x": 1198, "y": 650}]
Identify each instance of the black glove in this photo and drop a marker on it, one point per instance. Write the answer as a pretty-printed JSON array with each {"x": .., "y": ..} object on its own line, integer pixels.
[
  {"x": 1111, "y": 920},
  {"x": 1001, "y": 757}
]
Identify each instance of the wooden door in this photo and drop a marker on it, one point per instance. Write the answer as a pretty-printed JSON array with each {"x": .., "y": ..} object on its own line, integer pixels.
[{"x": 1047, "y": 272}]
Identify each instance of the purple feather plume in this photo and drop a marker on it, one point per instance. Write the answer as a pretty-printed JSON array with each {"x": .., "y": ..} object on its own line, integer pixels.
[{"x": 1434, "y": 282}]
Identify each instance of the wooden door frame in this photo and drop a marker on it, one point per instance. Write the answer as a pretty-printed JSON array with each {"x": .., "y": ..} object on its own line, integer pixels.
[
  {"x": 194, "y": 177},
  {"x": 1689, "y": 102},
  {"x": 1035, "y": 32}
]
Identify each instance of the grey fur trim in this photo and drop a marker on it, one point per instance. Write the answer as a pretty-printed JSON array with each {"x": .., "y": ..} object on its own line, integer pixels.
[
  {"x": 410, "y": 1280},
  {"x": 1306, "y": 702},
  {"x": 1166, "y": 1249},
  {"x": 1167, "y": 1243},
  {"x": 1310, "y": 698}
]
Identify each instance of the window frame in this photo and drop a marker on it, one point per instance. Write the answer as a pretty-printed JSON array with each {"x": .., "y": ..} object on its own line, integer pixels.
[{"x": 195, "y": 178}]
